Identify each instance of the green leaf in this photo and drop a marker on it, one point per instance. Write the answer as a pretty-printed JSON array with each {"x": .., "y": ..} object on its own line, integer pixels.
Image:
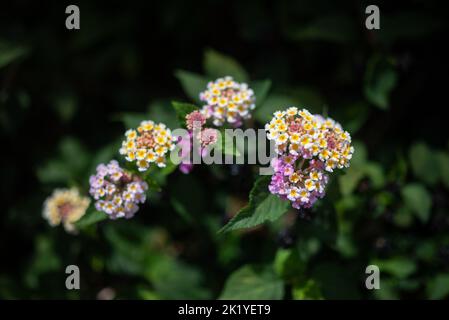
[
  {"x": 380, "y": 80},
  {"x": 375, "y": 173},
  {"x": 307, "y": 290},
  {"x": 423, "y": 163},
  {"x": 336, "y": 279},
  {"x": 333, "y": 28},
  {"x": 226, "y": 145},
  {"x": 45, "y": 260},
  {"x": 182, "y": 110},
  {"x": 218, "y": 65},
  {"x": 398, "y": 266},
  {"x": 188, "y": 204},
  {"x": 68, "y": 166},
  {"x": 263, "y": 206},
  {"x": 438, "y": 287},
  {"x": 131, "y": 119},
  {"x": 288, "y": 264},
  {"x": 153, "y": 185},
  {"x": 418, "y": 200},
  {"x": 359, "y": 169},
  {"x": 403, "y": 217},
  {"x": 173, "y": 279},
  {"x": 349, "y": 181},
  {"x": 192, "y": 84},
  {"x": 309, "y": 98},
  {"x": 163, "y": 112},
  {"x": 90, "y": 218},
  {"x": 253, "y": 283},
  {"x": 261, "y": 88},
  {"x": 10, "y": 53},
  {"x": 272, "y": 103}
]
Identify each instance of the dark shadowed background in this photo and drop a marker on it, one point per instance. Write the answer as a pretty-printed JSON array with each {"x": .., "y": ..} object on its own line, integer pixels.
[{"x": 67, "y": 96}]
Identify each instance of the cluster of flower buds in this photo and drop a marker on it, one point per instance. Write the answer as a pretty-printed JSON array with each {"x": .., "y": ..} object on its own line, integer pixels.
[
  {"x": 150, "y": 143},
  {"x": 227, "y": 101},
  {"x": 198, "y": 135},
  {"x": 308, "y": 146},
  {"x": 65, "y": 206},
  {"x": 116, "y": 191}
]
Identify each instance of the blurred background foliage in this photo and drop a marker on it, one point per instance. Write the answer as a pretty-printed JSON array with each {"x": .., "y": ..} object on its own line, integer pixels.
[{"x": 66, "y": 97}]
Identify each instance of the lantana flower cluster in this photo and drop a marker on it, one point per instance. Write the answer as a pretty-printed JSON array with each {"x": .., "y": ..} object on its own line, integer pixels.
[
  {"x": 117, "y": 192},
  {"x": 227, "y": 101},
  {"x": 65, "y": 206},
  {"x": 309, "y": 146},
  {"x": 204, "y": 137},
  {"x": 150, "y": 143}
]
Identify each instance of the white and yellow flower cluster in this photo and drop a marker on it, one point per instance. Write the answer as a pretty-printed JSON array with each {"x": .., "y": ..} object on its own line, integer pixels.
[
  {"x": 300, "y": 133},
  {"x": 148, "y": 144},
  {"x": 65, "y": 206},
  {"x": 227, "y": 101}
]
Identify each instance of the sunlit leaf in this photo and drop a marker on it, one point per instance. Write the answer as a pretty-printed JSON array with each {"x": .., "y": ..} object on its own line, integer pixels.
[{"x": 262, "y": 207}]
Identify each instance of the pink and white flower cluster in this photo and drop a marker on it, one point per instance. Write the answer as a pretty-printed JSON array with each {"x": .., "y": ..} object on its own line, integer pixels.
[
  {"x": 303, "y": 184},
  {"x": 309, "y": 146},
  {"x": 116, "y": 191},
  {"x": 227, "y": 101},
  {"x": 203, "y": 136}
]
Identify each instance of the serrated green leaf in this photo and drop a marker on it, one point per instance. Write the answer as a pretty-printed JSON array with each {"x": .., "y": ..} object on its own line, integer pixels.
[
  {"x": 418, "y": 200},
  {"x": 253, "y": 283},
  {"x": 182, "y": 110},
  {"x": 192, "y": 84},
  {"x": 218, "y": 65},
  {"x": 262, "y": 207}
]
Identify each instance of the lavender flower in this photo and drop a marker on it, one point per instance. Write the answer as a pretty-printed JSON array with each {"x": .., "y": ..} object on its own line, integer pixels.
[{"x": 116, "y": 191}]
